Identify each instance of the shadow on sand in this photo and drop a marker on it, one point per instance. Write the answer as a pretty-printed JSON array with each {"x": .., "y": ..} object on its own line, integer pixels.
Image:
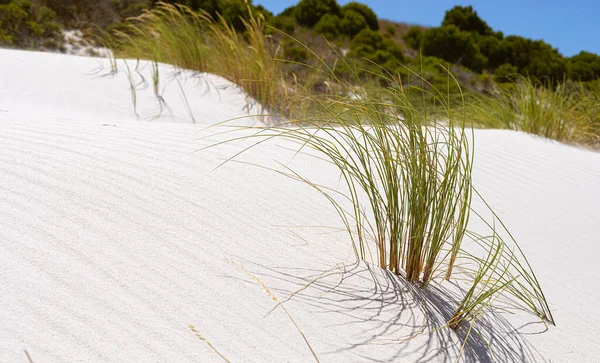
[{"x": 397, "y": 321}]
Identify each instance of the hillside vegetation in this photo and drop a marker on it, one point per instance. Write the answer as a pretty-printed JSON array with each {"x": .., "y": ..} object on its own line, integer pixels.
[
  {"x": 495, "y": 75},
  {"x": 463, "y": 38}
]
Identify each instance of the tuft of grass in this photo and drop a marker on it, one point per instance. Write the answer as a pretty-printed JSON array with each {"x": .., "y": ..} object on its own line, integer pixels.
[
  {"x": 564, "y": 112},
  {"x": 407, "y": 190}
]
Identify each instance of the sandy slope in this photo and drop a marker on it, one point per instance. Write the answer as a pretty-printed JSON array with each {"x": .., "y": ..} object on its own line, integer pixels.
[
  {"x": 71, "y": 88},
  {"x": 115, "y": 237}
]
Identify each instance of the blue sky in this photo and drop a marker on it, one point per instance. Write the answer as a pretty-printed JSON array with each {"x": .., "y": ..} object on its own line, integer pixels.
[{"x": 570, "y": 26}]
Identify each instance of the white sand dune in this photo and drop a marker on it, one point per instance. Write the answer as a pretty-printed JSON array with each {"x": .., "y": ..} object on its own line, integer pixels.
[
  {"x": 116, "y": 237},
  {"x": 91, "y": 92}
]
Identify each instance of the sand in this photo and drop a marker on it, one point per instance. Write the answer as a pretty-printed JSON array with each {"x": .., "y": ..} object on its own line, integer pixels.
[{"x": 117, "y": 236}]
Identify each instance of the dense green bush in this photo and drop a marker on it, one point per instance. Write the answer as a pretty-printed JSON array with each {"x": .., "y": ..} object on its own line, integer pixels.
[
  {"x": 414, "y": 37},
  {"x": 295, "y": 52},
  {"x": 372, "y": 46},
  {"x": 82, "y": 13},
  {"x": 129, "y": 8},
  {"x": 425, "y": 72},
  {"x": 505, "y": 73},
  {"x": 12, "y": 21},
  {"x": 309, "y": 12},
  {"x": 212, "y": 7},
  {"x": 453, "y": 45},
  {"x": 236, "y": 12},
  {"x": 491, "y": 47},
  {"x": 22, "y": 24},
  {"x": 366, "y": 12},
  {"x": 534, "y": 58},
  {"x": 286, "y": 24},
  {"x": 391, "y": 30},
  {"x": 193, "y": 4},
  {"x": 466, "y": 19},
  {"x": 467, "y": 39},
  {"x": 584, "y": 67},
  {"x": 328, "y": 26},
  {"x": 352, "y": 23}
]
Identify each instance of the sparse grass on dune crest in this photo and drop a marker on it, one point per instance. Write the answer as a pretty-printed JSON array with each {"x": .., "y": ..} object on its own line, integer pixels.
[
  {"x": 564, "y": 112},
  {"x": 174, "y": 34},
  {"x": 192, "y": 40},
  {"x": 407, "y": 193}
]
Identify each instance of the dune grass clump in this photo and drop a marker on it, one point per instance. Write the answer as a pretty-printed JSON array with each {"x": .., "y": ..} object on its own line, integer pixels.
[
  {"x": 406, "y": 192},
  {"x": 563, "y": 112},
  {"x": 592, "y": 103},
  {"x": 175, "y": 34}
]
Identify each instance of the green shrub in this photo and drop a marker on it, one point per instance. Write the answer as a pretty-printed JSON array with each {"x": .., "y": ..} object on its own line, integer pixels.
[
  {"x": 367, "y": 13},
  {"x": 21, "y": 24},
  {"x": 23, "y": 4},
  {"x": 236, "y": 12},
  {"x": 295, "y": 53},
  {"x": 286, "y": 24},
  {"x": 46, "y": 15},
  {"x": 352, "y": 23},
  {"x": 491, "y": 47},
  {"x": 506, "y": 73},
  {"x": 372, "y": 46},
  {"x": 454, "y": 45},
  {"x": 212, "y": 7},
  {"x": 534, "y": 58},
  {"x": 466, "y": 19},
  {"x": 12, "y": 23},
  {"x": 309, "y": 12},
  {"x": 328, "y": 26},
  {"x": 130, "y": 8},
  {"x": 414, "y": 37},
  {"x": 430, "y": 73},
  {"x": 82, "y": 13},
  {"x": 391, "y": 30},
  {"x": 584, "y": 67}
]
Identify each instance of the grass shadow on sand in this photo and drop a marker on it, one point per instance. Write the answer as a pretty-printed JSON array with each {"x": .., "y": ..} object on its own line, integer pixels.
[{"x": 387, "y": 319}]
